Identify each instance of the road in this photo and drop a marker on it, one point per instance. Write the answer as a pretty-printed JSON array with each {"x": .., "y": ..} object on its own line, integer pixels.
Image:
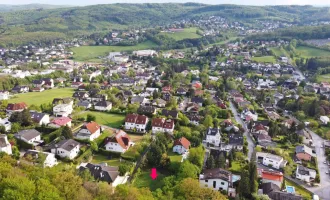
[{"x": 246, "y": 132}]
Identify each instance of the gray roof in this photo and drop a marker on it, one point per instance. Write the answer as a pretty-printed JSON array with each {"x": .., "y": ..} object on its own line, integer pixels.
[
  {"x": 103, "y": 103},
  {"x": 236, "y": 139},
  {"x": 37, "y": 117},
  {"x": 304, "y": 170},
  {"x": 66, "y": 144},
  {"x": 28, "y": 134},
  {"x": 212, "y": 131},
  {"x": 3, "y": 140},
  {"x": 304, "y": 149}
]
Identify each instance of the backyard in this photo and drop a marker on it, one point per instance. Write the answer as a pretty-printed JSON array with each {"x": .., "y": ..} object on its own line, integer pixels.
[
  {"x": 107, "y": 119},
  {"x": 144, "y": 180},
  {"x": 187, "y": 33},
  {"x": 265, "y": 59},
  {"x": 38, "y": 98}
]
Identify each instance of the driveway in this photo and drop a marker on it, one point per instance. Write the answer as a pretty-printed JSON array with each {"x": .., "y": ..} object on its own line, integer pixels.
[{"x": 246, "y": 132}]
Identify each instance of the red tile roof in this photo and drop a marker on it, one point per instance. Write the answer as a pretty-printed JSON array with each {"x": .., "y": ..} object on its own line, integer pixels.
[
  {"x": 259, "y": 127},
  {"x": 183, "y": 142},
  {"x": 17, "y": 106},
  {"x": 274, "y": 176},
  {"x": 169, "y": 124},
  {"x": 158, "y": 122},
  {"x": 131, "y": 118},
  {"x": 61, "y": 121},
  {"x": 92, "y": 127},
  {"x": 141, "y": 119},
  {"x": 121, "y": 138}
]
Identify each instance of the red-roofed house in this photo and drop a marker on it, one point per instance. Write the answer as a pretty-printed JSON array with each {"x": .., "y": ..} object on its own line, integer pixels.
[
  {"x": 166, "y": 89},
  {"x": 181, "y": 145},
  {"x": 61, "y": 121},
  {"x": 157, "y": 125},
  {"x": 89, "y": 131},
  {"x": 271, "y": 176},
  {"x": 169, "y": 126},
  {"x": 119, "y": 143},
  {"x": 136, "y": 121},
  {"x": 16, "y": 107}
]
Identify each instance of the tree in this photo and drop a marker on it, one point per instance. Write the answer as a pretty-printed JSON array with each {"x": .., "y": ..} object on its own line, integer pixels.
[
  {"x": 244, "y": 184},
  {"x": 18, "y": 187},
  {"x": 253, "y": 175},
  {"x": 15, "y": 127},
  {"x": 210, "y": 163},
  {"x": 26, "y": 118},
  {"x": 67, "y": 132},
  {"x": 68, "y": 185},
  {"x": 124, "y": 192},
  {"x": 91, "y": 118},
  {"x": 154, "y": 155},
  {"x": 208, "y": 121},
  {"x": 94, "y": 146},
  {"x": 220, "y": 161},
  {"x": 196, "y": 156},
  {"x": 188, "y": 170}
]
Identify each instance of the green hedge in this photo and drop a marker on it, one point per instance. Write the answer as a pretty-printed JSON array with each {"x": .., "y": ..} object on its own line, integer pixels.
[{"x": 24, "y": 145}]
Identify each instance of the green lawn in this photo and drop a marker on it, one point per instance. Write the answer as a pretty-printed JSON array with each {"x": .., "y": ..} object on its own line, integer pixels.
[
  {"x": 174, "y": 157},
  {"x": 135, "y": 137},
  {"x": 107, "y": 119},
  {"x": 144, "y": 180},
  {"x": 323, "y": 78},
  {"x": 299, "y": 190},
  {"x": 308, "y": 52},
  {"x": 187, "y": 33},
  {"x": 38, "y": 98},
  {"x": 104, "y": 159},
  {"x": 91, "y": 53},
  {"x": 278, "y": 52},
  {"x": 236, "y": 166},
  {"x": 265, "y": 59}
]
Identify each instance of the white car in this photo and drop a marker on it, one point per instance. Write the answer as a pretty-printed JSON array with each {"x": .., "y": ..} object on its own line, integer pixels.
[
  {"x": 325, "y": 162},
  {"x": 327, "y": 172}
]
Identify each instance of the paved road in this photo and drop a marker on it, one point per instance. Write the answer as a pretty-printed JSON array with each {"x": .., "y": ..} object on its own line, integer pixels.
[{"x": 246, "y": 133}]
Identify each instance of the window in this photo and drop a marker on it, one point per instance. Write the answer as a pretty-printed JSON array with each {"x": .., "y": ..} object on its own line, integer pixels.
[
  {"x": 214, "y": 184},
  {"x": 206, "y": 181}
]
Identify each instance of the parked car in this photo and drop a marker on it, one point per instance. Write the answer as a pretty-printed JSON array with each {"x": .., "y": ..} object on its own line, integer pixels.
[{"x": 325, "y": 162}]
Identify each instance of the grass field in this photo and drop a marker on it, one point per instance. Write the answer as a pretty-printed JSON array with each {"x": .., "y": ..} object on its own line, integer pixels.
[
  {"x": 112, "y": 120},
  {"x": 104, "y": 159},
  {"x": 323, "y": 78},
  {"x": 92, "y": 53},
  {"x": 144, "y": 180},
  {"x": 38, "y": 98},
  {"x": 308, "y": 52},
  {"x": 174, "y": 157},
  {"x": 265, "y": 59},
  {"x": 278, "y": 52},
  {"x": 187, "y": 33}
]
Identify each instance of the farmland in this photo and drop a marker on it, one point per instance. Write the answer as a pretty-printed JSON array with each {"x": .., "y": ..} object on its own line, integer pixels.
[
  {"x": 38, "y": 98},
  {"x": 187, "y": 33}
]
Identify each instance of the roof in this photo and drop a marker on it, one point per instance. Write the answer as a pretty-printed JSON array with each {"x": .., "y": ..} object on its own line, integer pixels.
[
  {"x": 304, "y": 149},
  {"x": 92, "y": 127},
  {"x": 68, "y": 144},
  {"x": 3, "y": 140},
  {"x": 103, "y": 103},
  {"x": 121, "y": 138},
  {"x": 101, "y": 172},
  {"x": 28, "y": 134},
  {"x": 264, "y": 137},
  {"x": 197, "y": 100},
  {"x": 183, "y": 142},
  {"x": 131, "y": 118},
  {"x": 212, "y": 131},
  {"x": 61, "y": 121},
  {"x": 236, "y": 139},
  {"x": 146, "y": 109},
  {"x": 172, "y": 113},
  {"x": 17, "y": 106},
  {"x": 304, "y": 170},
  {"x": 269, "y": 187},
  {"x": 168, "y": 124},
  {"x": 272, "y": 175},
  {"x": 141, "y": 119},
  {"x": 216, "y": 173},
  {"x": 158, "y": 122}
]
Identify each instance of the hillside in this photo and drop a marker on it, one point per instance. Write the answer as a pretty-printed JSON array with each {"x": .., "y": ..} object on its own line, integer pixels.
[{"x": 12, "y": 8}]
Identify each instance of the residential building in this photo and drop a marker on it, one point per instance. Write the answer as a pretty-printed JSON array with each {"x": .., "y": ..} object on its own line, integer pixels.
[
  {"x": 194, "y": 119},
  {"x": 66, "y": 149},
  {"x": 60, "y": 121},
  {"x": 213, "y": 136},
  {"x": 170, "y": 113},
  {"x": 103, "y": 106},
  {"x": 324, "y": 119},
  {"x": 89, "y": 131},
  {"x": 236, "y": 141},
  {"x": 5, "y": 146},
  {"x": 303, "y": 152},
  {"x": 274, "y": 192},
  {"x": 30, "y": 136},
  {"x": 4, "y": 95},
  {"x": 39, "y": 118},
  {"x": 135, "y": 121},
  {"x": 62, "y": 110},
  {"x": 271, "y": 160},
  {"x": 50, "y": 160},
  {"x": 181, "y": 146},
  {"x": 146, "y": 110},
  {"x": 305, "y": 174},
  {"x": 5, "y": 123},
  {"x": 118, "y": 143},
  {"x": 216, "y": 179},
  {"x": 16, "y": 107},
  {"x": 268, "y": 176}
]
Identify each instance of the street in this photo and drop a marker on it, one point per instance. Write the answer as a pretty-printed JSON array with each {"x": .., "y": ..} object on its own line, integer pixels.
[{"x": 246, "y": 133}]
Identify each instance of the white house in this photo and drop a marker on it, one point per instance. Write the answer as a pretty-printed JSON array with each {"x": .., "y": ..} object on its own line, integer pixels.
[
  {"x": 4, "y": 95},
  {"x": 181, "y": 145},
  {"x": 5, "y": 123},
  {"x": 50, "y": 160},
  {"x": 135, "y": 121},
  {"x": 213, "y": 136},
  {"x": 272, "y": 160},
  {"x": 305, "y": 174},
  {"x": 324, "y": 119},
  {"x": 5, "y": 146},
  {"x": 216, "y": 179},
  {"x": 89, "y": 131},
  {"x": 103, "y": 106},
  {"x": 30, "y": 136},
  {"x": 66, "y": 149},
  {"x": 119, "y": 143},
  {"x": 39, "y": 118},
  {"x": 62, "y": 110}
]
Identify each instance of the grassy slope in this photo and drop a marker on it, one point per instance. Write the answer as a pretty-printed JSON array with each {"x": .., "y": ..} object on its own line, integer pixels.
[
  {"x": 38, "y": 98},
  {"x": 112, "y": 120},
  {"x": 265, "y": 59},
  {"x": 188, "y": 33},
  {"x": 308, "y": 52},
  {"x": 90, "y": 53},
  {"x": 299, "y": 190}
]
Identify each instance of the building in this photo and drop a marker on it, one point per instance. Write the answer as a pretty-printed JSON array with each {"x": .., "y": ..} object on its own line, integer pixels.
[
  {"x": 162, "y": 125},
  {"x": 271, "y": 160},
  {"x": 236, "y": 141},
  {"x": 62, "y": 110},
  {"x": 135, "y": 121},
  {"x": 66, "y": 149},
  {"x": 268, "y": 176},
  {"x": 103, "y": 106},
  {"x": 89, "y": 131},
  {"x": 30, "y": 136},
  {"x": 303, "y": 152},
  {"x": 324, "y": 119},
  {"x": 170, "y": 113},
  {"x": 39, "y": 118},
  {"x": 119, "y": 143},
  {"x": 274, "y": 192},
  {"x": 60, "y": 121},
  {"x": 181, "y": 146},
  {"x": 216, "y": 179},
  {"x": 4, "y": 95},
  {"x": 213, "y": 136},
  {"x": 5, "y": 146},
  {"x": 50, "y": 160},
  {"x": 5, "y": 123},
  {"x": 305, "y": 174},
  {"x": 16, "y": 107}
]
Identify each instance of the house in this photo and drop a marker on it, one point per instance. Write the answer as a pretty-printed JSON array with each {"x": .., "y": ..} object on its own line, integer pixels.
[
  {"x": 4, "y": 95},
  {"x": 5, "y": 146},
  {"x": 103, "y": 106},
  {"x": 49, "y": 158},
  {"x": 181, "y": 91},
  {"x": 16, "y": 107},
  {"x": 146, "y": 110},
  {"x": 5, "y": 123},
  {"x": 157, "y": 125},
  {"x": 197, "y": 100},
  {"x": 274, "y": 192},
  {"x": 269, "y": 176},
  {"x": 160, "y": 103},
  {"x": 135, "y": 121},
  {"x": 324, "y": 119},
  {"x": 60, "y": 121},
  {"x": 181, "y": 146},
  {"x": 39, "y": 118},
  {"x": 261, "y": 138},
  {"x": 170, "y": 113},
  {"x": 307, "y": 138},
  {"x": 62, "y": 110},
  {"x": 103, "y": 172},
  {"x": 30, "y": 136},
  {"x": 76, "y": 84},
  {"x": 20, "y": 89},
  {"x": 84, "y": 103},
  {"x": 139, "y": 100},
  {"x": 119, "y": 143},
  {"x": 67, "y": 100},
  {"x": 305, "y": 174},
  {"x": 89, "y": 131},
  {"x": 271, "y": 160},
  {"x": 80, "y": 95},
  {"x": 38, "y": 89},
  {"x": 168, "y": 126},
  {"x": 213, "y": 136},
  {"x": 303, "y": 152},
  {"x": 236, "y": 141},
  {"x": 216, "y": 179},
  {"x": 194, "y": 119},
  {"x": 66, "y": 149}
]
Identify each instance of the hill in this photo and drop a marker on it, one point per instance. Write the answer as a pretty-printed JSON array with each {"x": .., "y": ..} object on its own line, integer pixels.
[{"x": 12, "y": 8}]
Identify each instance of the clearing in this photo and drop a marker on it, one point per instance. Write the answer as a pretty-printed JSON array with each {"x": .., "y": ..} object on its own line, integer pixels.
[
  {"x": 187, "y": 33},
  {"x": 92, "y": 53},
  {"x": 264, "y": 59},
  {"x": 107, "y": 119},
  {"x": 38, "y": 98}
]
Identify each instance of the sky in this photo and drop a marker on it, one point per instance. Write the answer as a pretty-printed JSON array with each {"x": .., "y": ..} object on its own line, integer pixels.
[{"x": 242, "y": 2}]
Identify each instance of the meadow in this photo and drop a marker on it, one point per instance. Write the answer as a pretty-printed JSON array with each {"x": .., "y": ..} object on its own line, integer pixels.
[
  {"x": 187, "y": 33},
  {"x": 45, "y": 97},
  {"x": 107, "y": 119},
  {"x": 92, "y": 53},
  {"x": 308, "y": 52},
  {"x": 264, "y": 59}
]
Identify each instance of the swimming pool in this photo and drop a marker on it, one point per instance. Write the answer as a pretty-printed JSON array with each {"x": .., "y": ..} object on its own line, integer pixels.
[{"x": 290, "y": 189}]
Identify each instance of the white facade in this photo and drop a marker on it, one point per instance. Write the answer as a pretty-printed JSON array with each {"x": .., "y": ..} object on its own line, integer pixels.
[
  {"x": 85, "y": 134},
  {"x": 101, "y": 108},
  {"x": 129, "y": 125},
  {"x": 324, "y": 119},
  {"x": 63, "y": 110},
  {"x": 179, "y": 149},
  {"x": 141, "y": 127},
  {"x": 31, "y": 141},
  {"x": 50, "y": 160},
  {"x": 157, "y": 129},
  {"x": 274, "y": 161},
  {"x": 5, "y": 123},
  {"x": 6, "y": 147},
  {"x": 67, "y": 154},
  {"x": 215, "y": 184},
  {"x": 112, "y": 146},
  {"x": 4, "y": 95}
]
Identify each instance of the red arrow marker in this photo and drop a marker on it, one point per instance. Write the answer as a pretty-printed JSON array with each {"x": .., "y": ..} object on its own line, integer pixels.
[{"x": 153, "y": 173}]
